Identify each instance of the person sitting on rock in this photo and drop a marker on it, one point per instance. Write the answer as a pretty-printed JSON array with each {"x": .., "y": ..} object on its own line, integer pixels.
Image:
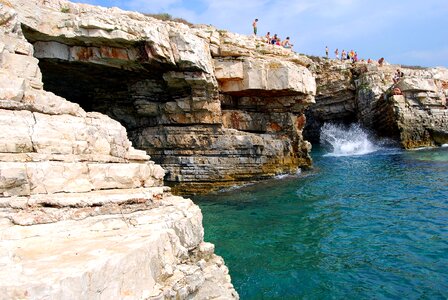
[
  {"x": 278, "y": 42},
  {"x": 286, "y": 43},
  {"x": 268, "y": 37},
  {"x": 381, "y": 61},
  {"x": 274, "y": 39},
  {"x": 397, "y": 76}
]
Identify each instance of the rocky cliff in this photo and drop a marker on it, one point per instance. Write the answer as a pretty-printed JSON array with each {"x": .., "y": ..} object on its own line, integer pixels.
[
  {"x": 84, "y": 215},
  {"x": 412, "y": 111},
  {"x": 211, "y": 107}
]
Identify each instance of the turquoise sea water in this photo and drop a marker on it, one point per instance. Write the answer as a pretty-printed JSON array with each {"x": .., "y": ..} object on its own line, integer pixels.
[{"x": 373, "y": 226}]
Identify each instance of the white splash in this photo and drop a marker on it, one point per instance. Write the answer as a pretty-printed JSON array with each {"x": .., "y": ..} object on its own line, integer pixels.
[
  {"x": 346, "y": 141},
  {"x": 445, "y": 146},
  {"x": 281, "y": 176}
]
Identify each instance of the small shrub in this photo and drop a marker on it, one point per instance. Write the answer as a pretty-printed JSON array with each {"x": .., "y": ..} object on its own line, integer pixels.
[
  {"x": 414, "y": 67},
  {"x": 183, "y": 21},
  {"x": 168, "y": 17},
  {"x": 161, "y": 17},
  {"x": 65, "y": 10}
]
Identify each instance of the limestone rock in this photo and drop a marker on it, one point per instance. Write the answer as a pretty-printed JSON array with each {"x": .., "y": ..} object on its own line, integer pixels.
[
  {"x": 412, "y": 111},
  {"x": 148, "y": 74},
  {"x": 103, "y": 254},
  {"x": 335, "y": 96},
  {"x": 83, "y": 214},
  {"x": 11, "y": 88},
  {"x": 270, "y": 75}
]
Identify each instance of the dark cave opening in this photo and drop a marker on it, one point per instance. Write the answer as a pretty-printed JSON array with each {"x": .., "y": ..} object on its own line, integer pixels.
[{"x": 118, "y": 93}]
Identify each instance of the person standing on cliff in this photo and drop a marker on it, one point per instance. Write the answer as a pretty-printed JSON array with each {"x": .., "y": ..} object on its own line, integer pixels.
[
  {"x": 336, "y": 53},
  {"x": 326, "y": 51},
  {"x": 254, "y": 25}
]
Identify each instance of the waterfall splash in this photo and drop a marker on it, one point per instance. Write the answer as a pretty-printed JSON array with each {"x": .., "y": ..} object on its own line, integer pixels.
[{"x": 346, "y": 141}]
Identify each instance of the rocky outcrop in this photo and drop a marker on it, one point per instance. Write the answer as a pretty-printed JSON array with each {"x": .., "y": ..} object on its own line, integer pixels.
[
  {"x": 335, "y": 96},
  {"x": 82, "y": 213},
  {"x": 211, "y": 107},
  {"x": 412, "y": 111}
]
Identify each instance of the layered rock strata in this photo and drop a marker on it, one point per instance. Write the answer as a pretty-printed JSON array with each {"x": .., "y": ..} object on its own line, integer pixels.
[
  {"x": 412, "y": 111},
  {"x": 84, "y": 215},
  {"x": 335, "y": 96},
  {"x": 212, "y": 107}
]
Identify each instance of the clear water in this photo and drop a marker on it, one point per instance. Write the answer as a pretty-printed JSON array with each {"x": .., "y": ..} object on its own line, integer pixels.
[{"x": 371, "y": 226}]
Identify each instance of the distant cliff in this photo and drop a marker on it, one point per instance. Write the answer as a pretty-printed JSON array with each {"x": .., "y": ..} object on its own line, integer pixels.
[{"x": 413, "y": 111}]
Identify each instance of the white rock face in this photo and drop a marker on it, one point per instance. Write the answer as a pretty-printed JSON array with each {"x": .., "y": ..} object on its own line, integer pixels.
[
  {"x": 272, "y": 75},
  {"x": 149, "y": 74},
  {"x": 84, "y": 215},
  {"x": 141, "y": 254}
]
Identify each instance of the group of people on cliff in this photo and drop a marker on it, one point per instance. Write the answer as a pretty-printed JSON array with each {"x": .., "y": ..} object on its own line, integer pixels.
[
  {"x": 345, "y": 55},
  {"x": 276, "y": 40},
  {"x": 349, "y": 55},
  {"x": 273, "y": 40}
]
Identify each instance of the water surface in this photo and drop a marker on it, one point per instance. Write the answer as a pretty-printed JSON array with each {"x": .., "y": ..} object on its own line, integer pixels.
[{"x": 371, "y": 226}]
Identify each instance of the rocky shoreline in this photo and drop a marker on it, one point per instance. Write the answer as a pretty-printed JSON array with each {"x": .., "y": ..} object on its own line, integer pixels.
[
  {"x": 364, "y": 92},
  {"x": 83, "y": 213}
]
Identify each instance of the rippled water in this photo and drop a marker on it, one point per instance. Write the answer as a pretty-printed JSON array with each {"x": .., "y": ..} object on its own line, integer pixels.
[{"x": 356, "y": 227}]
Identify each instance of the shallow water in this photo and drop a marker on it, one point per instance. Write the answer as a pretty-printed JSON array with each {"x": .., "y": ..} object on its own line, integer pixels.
[{"x": 356, "y": 227}]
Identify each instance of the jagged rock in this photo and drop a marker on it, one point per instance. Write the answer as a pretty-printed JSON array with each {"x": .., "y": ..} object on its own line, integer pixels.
[
  {"x": 150, "y": 75},
  {"x": 248, "y": 76},
  {"x": 415, "y": 118},
  {"x": 82, "y": 213},
  {"x": 335, "y": 96},
  {"x": 135, "y": 246}
]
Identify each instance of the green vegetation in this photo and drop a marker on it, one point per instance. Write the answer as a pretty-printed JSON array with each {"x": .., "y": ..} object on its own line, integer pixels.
[
  {"x": 414, "y": 67},
  {"x": 168, "y": 17},
  {"x": 65, "y": 10}
]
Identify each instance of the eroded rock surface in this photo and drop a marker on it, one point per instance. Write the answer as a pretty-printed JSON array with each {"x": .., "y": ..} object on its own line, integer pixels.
[
  {"x": 412, "y": 111},
  {"x": 83, "y": 214},
  {"x": 170, "y": 84}
]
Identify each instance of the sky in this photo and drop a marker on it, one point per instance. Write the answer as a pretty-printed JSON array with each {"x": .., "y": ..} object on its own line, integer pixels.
[{"x": 406, "y": 32}]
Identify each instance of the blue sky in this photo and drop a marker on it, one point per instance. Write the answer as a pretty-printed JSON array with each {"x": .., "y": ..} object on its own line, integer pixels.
[{"x": 408, "y": 32}]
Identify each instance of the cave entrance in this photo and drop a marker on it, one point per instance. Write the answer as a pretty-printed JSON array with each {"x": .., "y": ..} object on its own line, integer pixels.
[
  {"x": 114, "y": 79},
  {"x": 115, "y": 92}
]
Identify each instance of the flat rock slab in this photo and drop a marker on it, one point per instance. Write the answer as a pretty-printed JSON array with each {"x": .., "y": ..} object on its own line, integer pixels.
[{"x": 142, "y": 254}]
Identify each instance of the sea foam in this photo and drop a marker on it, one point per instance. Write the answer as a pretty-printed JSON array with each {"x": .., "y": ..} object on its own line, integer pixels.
[{"x": 346, "y": 141}]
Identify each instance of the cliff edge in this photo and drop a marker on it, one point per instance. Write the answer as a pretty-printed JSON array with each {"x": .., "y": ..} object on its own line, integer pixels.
[
  {"x": 82, "y": 213},
  {"x": 412, "y": 110},
  {"x": 211, "y": 107}
]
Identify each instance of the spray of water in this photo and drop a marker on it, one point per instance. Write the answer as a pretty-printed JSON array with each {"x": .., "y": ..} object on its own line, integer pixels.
[{"x": 346, "y": 141}]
